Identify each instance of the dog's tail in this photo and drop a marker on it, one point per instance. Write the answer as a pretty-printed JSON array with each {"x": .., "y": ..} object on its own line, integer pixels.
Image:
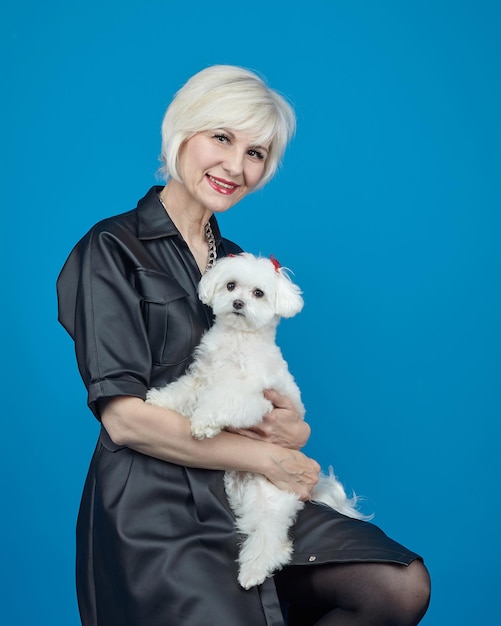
[{"x": 330, "y": 492}]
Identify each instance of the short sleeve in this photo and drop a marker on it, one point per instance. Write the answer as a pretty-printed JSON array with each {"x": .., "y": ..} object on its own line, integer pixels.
[{"x": 101, "y": 310}]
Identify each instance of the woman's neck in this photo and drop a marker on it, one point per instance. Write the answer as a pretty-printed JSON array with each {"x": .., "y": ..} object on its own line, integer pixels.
[{"x": 189, "y": 217}]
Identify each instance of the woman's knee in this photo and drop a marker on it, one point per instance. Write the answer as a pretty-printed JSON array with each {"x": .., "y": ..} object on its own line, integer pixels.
[
  {"x": 411, "y": 590},
  {"x": 379, "y": 593},
  {"x": 421, "y": 583},
  {"x": 395, "y": 594}
]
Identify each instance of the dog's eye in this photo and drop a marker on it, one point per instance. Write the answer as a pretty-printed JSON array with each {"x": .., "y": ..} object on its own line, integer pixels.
[
  {"x": 230, "y": 286},
  {"x": 258, "y": 293}
]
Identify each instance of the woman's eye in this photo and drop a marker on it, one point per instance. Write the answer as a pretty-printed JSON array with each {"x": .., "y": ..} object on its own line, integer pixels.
[
  {"x": 258, "y": 293},
  {"x": 222, "y": 138},
  {"x": 230, "y": 286},
  {"x": 256, "y": 154}
]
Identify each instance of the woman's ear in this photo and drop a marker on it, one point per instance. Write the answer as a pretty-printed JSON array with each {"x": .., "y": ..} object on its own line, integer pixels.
[{"x": 288, "y": 300}]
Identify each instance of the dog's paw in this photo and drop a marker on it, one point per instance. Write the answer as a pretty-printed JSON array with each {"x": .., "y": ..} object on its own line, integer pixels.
[
  {"x": 250, "y": 577},
  {"x": 203, "y": 431},
  {"x": 254, "y": 571}
]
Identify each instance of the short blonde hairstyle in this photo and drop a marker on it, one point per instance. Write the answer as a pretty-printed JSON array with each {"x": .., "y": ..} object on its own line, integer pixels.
[{"x": 226, "y": 96}]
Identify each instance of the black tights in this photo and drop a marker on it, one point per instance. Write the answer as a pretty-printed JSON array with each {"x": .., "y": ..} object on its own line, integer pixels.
[{"x": 354, "y": 594}]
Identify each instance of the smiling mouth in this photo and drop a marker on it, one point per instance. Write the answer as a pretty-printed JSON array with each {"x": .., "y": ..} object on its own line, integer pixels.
[{"x": 221, "y": 186}]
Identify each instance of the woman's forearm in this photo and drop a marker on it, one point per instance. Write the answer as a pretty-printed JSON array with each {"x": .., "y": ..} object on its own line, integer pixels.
[{"x": 166, "y": 435}]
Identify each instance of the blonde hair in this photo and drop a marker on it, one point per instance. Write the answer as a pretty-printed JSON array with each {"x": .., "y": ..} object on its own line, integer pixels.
[{"x": 226, "y": 96}]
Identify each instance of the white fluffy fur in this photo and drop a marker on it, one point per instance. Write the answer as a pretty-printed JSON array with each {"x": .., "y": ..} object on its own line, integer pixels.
[{"x": 238, "y": 359}]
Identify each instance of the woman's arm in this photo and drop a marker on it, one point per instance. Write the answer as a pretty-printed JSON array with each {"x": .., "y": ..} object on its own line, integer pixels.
[{"x": 166, "y": 435}]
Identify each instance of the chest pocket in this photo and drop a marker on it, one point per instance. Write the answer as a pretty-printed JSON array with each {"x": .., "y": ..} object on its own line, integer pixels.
[{"x": 167, "y": 315}]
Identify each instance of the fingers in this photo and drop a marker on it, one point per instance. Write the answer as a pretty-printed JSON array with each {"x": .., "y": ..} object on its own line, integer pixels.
[
  {"x": 278, "y": 429},
  {"x": 295, "y": 472},
  {"x": 277, "y": 399},
  {"x": 308, "y": 482}
]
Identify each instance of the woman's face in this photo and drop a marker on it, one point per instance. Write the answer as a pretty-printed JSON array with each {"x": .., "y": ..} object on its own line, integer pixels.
[{"x": 219, "y": 167}]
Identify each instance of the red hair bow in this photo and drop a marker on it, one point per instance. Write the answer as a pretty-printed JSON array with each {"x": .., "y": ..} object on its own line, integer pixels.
[{"x": 275, "y": 263}]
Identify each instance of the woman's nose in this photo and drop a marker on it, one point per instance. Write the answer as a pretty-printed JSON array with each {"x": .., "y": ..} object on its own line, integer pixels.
[{"x": 233, "y": 163}]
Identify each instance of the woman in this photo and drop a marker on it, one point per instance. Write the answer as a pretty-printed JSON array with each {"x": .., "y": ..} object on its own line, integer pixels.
[{"x": 156, "y": 544}]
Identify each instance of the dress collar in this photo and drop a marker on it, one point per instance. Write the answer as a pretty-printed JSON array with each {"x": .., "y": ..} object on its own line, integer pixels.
[{"x": 153, "y": 221}]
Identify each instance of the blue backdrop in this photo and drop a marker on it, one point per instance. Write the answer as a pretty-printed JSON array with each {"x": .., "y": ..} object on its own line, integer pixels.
[{"x": 386, "y": 209}]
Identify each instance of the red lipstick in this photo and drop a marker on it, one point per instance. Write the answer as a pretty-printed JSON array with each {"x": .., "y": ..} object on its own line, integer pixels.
[{"x": 221, "y": 185}]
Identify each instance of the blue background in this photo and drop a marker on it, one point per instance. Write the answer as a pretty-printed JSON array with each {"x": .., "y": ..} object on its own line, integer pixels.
[{"x": 386, "y": 209}]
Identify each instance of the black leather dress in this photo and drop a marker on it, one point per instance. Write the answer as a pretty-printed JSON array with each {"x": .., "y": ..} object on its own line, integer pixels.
[{"x": 156, "y": 544}]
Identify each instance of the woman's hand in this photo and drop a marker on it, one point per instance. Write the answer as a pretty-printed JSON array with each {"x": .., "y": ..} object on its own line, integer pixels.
[
  {"x": 291, "y": 470},
  {"x": 282, "y": 426}
]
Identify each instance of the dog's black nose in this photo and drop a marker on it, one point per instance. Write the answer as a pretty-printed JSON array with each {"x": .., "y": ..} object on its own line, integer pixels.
[{"x": 238, "y": 304}]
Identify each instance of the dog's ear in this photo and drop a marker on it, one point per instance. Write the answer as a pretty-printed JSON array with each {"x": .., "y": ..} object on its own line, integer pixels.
[
  {"x": 209, "y": 281},
  {"x": 288, "y": 300},
  {"x": 207, "y": 285}
]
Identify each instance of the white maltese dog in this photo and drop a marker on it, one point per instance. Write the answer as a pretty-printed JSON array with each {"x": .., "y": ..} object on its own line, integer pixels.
[{"x": 236, "y": 360}]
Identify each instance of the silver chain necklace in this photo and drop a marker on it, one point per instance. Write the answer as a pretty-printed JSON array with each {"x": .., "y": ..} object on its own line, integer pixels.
[
  {"x": 211, "y": 242},
  {"x": 209, "y": 237}
]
